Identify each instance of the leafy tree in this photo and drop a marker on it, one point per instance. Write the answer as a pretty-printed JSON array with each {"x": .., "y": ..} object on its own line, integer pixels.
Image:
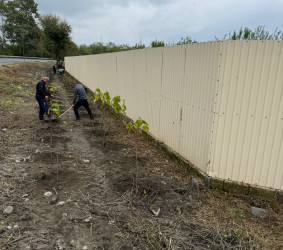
[
  {"x": 84, "y": 49},
  {"x": 186, "y": 40},
  {"x": 20, "y": 26},
  {"x": 2, "y": 12},
  {"x": 156, "y": 43},
  {"x": 72, "y": 49},
  {"x": 138, "y": 46},
  {"x": 258, "y": 33},
  {"x": 97, "y": 48},
  {"x": 57, "y": 34}
]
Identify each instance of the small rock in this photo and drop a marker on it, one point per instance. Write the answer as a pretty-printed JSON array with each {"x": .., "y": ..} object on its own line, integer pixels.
[
  {"x": 111, "y": 222},
  {"x": 47, "y": 194},
  {"x": 195, "y": 183},
  {"x": 86, "y": 161},
  {"x": 16, "y": 226},
  {"x": 8, "y": 210},
  {"x": 53, "y": 200},
  {"x": 60, "y": 244},
  {"x": 256, "y": 211},
  {"x": 156, "y": 213},
  {"x": 17, "y": 161},
  {"x": 85, "y": 248},
  {"x": 25, "y": 195},
  {"x": 207, "y": 181},
  {"x": 37, "y": 151},
  {"x": 60, "y": 203},
  {"x": 26, "y": 158},
  {"x": 89, "y": 219}
]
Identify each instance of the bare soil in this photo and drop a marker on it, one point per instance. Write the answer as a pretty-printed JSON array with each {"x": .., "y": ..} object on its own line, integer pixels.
[{"x": 107, "y": 184}]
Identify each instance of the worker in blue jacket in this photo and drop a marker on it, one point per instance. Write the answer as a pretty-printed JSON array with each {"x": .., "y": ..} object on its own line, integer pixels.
[{"x": 42, "y": 96}]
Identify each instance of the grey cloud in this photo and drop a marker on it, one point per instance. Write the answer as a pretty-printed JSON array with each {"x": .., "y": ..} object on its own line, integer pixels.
[{"x": 129, "y": 21}]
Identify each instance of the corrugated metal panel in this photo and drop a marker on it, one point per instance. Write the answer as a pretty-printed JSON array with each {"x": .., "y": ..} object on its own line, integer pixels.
[
  {"x": 152, "y": 87},
  {"x": 198, "y": 101},
  {"x": 248, "y": 125},
  {"x": 173, "y": 72},
  {"x": 218, "y": 104}
]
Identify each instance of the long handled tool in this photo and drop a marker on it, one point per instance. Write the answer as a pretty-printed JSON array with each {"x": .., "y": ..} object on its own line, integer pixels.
[{"x": 64, "y": 112}]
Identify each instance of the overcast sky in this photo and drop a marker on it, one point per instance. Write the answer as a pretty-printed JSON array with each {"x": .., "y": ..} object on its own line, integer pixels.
[{"x": 135, "y": 21}]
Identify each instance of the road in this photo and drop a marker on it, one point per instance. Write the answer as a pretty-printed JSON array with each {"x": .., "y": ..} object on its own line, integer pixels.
[{"x": 10, "y": 60}]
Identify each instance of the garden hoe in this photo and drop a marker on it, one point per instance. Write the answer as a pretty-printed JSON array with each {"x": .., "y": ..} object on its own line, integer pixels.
[{"x": 63, "y": 113}]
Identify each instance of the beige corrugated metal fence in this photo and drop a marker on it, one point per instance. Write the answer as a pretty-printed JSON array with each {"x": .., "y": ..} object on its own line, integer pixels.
[{"x": 218, "y": 104}]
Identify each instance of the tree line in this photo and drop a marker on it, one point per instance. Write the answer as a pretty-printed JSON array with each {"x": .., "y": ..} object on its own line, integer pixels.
[{"x": 26, "y": 33}]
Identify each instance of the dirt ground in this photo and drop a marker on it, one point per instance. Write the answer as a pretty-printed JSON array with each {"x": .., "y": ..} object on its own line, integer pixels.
[{"x": 109, "y": 189}]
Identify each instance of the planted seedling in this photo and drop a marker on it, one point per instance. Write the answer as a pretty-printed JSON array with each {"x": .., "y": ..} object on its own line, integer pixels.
[
  {"x": 52, "y": 88},
  {"x": 139, "y": 123},
  {"x": 115, "y": 104},
  {"x": 97, "y": 95},
  {"x": 107, "y": 98},
  {"x": 129, "y": 126},
  {"x": 124, "y": 108},
  {"x": 54, "y": 109}
]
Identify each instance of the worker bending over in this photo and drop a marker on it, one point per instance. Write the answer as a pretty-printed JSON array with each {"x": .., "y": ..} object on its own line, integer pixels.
[{"x": 78, "y": 89}]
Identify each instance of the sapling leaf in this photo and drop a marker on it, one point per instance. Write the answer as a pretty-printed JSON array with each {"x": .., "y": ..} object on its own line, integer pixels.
[
  {"x": 145, "y": 127},
  {"x": 116, "y": 99},
  {"x": 52, "y": 88},
  {"x": 129, "y": 126},
  {"x": 115, "y": 104},
  {"x": 55, "y": 105},
  {"x": 96, "y": 97},
  {"x": 138, "y": 123},
  {"x": 56, "y": 111},
  {"x": 107, "y": 98},
  {"x": 124, "y": 108},
  {"x": 102, "y": 98}
]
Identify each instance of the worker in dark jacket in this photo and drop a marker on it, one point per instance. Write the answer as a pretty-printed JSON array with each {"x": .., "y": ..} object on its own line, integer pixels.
[
  {"x": 54, "y": 69},
  {"x": 42, "y": 96},
  {"x": 79, "y": 89}
]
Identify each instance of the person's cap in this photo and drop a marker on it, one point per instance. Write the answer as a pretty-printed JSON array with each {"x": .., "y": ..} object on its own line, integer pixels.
[{"x": 73, "y": 83}]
